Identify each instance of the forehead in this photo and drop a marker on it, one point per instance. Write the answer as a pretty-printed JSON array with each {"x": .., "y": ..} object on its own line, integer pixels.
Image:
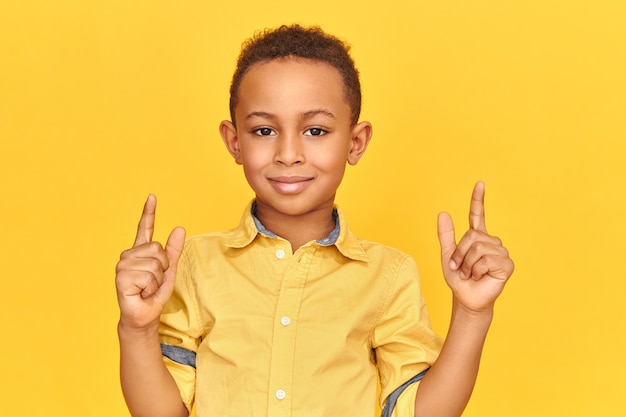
[{"x": 292, "y": 85}]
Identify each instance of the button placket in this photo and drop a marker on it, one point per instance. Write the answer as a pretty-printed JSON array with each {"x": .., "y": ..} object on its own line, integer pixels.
[{"x": 294, "y": 277}]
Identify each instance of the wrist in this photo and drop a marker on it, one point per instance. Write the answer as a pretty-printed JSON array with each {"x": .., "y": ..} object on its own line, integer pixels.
[
  {"x": 148, "y": 332},
  {"x": 482, "y": 317}
]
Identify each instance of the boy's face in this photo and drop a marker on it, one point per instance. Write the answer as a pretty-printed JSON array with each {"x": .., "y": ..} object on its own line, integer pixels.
[{"x": 294, "y": 135}]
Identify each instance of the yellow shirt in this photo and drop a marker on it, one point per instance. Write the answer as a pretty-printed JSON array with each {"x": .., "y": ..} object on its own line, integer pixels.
[{"x": 305, "y": 334}]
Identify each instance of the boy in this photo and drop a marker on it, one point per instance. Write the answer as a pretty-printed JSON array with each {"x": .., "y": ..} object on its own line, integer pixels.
[{"x": 290, "y": 314}]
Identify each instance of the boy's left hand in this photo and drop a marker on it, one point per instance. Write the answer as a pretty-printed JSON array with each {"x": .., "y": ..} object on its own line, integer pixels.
[{"x": 477, "y": 268}]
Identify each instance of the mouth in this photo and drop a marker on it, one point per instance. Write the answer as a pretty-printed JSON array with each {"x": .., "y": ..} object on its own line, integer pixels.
[{"x": 290, "y": 185}]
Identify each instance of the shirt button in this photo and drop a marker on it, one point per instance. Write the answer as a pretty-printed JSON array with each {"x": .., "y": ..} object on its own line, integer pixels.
[
  {"x": 285, "y": 321},
  {"x": 280, "y": 394},
  {"x": 280, "y": 254}
]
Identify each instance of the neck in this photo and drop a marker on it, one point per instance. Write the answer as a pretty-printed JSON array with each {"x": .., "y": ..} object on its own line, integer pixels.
[{"x": 297, "y": 229}]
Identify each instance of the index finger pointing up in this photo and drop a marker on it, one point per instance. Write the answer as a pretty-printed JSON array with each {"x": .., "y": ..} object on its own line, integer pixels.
[
  {"x": 477, "y": 208},
  {"x": 145, "y": 229}
]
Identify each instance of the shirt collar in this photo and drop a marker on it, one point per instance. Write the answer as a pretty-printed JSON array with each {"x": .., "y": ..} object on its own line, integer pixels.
[{"x": 345, "y": 241}]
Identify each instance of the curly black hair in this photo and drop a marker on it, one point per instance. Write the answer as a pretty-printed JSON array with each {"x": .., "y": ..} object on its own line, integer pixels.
[{"x": 303, "y": 42}]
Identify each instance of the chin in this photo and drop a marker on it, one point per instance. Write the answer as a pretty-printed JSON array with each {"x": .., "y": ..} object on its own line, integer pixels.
[{"x": 295, "y": 206}]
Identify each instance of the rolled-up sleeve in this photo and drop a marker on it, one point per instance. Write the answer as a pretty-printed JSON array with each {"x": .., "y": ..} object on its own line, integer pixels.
[
  {"x": 180, "y": 332},
  {"x": 403, "y": 339}
]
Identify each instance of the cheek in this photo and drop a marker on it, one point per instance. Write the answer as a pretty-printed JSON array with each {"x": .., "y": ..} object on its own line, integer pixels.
[
  {"x": 332, "y": 158},
  {"x": 253, "y": 158},
  {"x": 251, "y": 168},
  {"x": 333, "y": 167},
  {"x": 253, "y": 178}
]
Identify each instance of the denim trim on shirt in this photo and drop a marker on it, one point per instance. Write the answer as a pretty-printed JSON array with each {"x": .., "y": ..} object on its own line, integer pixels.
[
  {"x": 258, "y": 224},
  {"x": 331, "y": 239},
  {"x": 179, "y": 355},
  {"x": 390, "y": 404}
]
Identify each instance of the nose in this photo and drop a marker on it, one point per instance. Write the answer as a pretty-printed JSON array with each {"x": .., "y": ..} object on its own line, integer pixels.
[{"x": 289, "y": 150}]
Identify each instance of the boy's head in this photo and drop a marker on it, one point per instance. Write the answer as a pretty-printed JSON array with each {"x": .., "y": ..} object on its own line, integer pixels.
[
  {"x": 296, "y": 41},
  {"x": 296, "y": 99}
]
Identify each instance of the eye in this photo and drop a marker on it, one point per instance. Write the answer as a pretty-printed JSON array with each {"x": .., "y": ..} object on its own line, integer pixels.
[
  {"x": 264, "y": 131},
  {"x": 315, "y": 131}
]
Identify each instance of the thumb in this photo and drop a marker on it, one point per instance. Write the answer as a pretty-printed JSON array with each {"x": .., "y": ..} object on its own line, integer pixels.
[
  {"x": 445, "y": 230},
  {"x": 173, "y": 250},
  {"x": 174, "y": 247}
]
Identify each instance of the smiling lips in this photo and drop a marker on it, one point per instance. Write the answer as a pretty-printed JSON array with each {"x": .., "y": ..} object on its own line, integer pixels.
[{"x": 290, "y": 185}]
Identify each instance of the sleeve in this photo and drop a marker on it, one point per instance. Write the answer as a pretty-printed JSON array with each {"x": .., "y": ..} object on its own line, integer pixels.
[
  {"x": 180, "y": 331},
  {"x": 405, "y": 406},
  {"x": 403, "y": 339}
]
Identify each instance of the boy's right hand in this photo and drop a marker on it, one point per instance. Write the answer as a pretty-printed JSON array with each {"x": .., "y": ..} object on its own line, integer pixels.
[{"x": 146, "y": 273}]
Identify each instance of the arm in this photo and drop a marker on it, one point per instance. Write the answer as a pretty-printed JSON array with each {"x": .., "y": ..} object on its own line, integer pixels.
[
  {"x": 148, "y": 387},
  {"x": 476, "y": 270},
  {"x": 144, "y": 280}
]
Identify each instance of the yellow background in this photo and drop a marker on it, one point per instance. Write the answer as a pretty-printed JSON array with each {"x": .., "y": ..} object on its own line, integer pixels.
[{"x": 103, "y": 102}]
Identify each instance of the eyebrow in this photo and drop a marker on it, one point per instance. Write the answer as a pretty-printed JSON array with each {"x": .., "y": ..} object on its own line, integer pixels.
[
  {"x": 312, "y": 113},
  {"x": 262, "y": 114},
  {"x": 304, "y": 116}
]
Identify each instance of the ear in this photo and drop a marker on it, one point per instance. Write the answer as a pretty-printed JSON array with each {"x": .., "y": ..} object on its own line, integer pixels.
[
  {"x": 361, "y": 135},
  {"x": 231, "y": 140}
]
